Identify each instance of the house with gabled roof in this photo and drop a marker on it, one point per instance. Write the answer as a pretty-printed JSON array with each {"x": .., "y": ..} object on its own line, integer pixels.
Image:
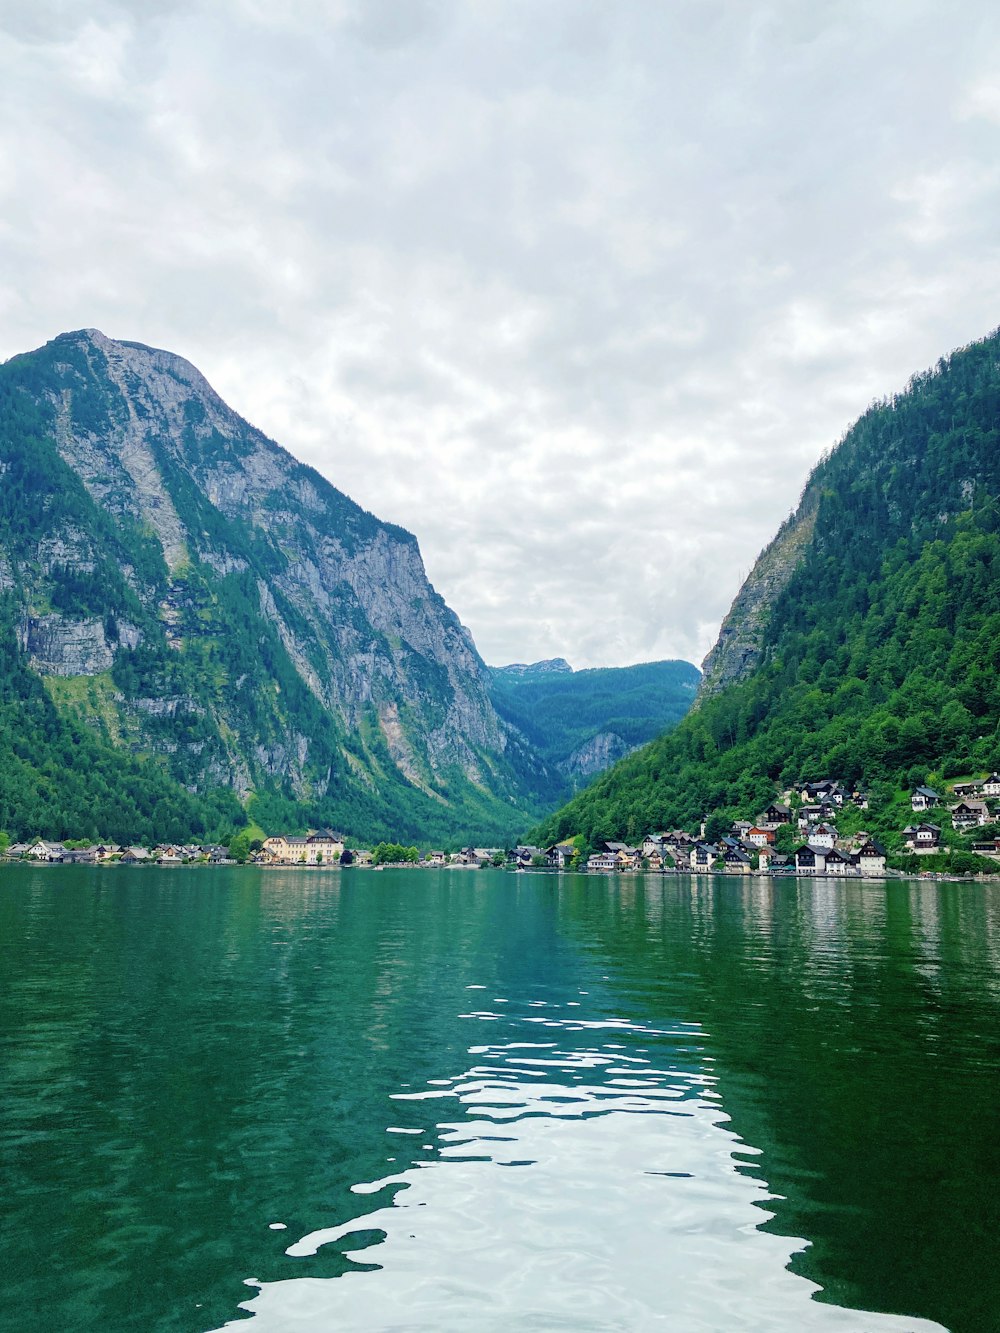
[
  {"x": 823, "y": 835},
  {"x": 991, "y": 785},
  {"x": 760, "y": 836},
  {"x": 810, "y": 860},
  {"x": 46, "y": 851},
  {"x": 605, "y": 860},
  {"x": 704, "y": 856},
  {"x": 561, "y": 853},
  {"x": 924, "y": 798},
  {"x": 736, "y": 861},
  {"x": 922, "y": 837},
  {"x": 970, "y": 814},
  {"x": 839, "y": 863},
  {"x": 776, "y": 813},
  {"x": 871, "y": 858}
]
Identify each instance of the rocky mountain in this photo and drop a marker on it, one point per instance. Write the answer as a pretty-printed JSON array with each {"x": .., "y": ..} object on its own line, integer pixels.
[
  {"x": 192, "y": 596},
  {"x": 584, "y": 721},
  {"x": 557, "y": 666},
  {"x": 865, "y": 645},
  {"x": 738, "y": 649}
]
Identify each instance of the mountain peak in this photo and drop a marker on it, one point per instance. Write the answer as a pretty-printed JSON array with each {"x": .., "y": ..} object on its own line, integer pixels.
[
  {"x": 252, "y": 627},
  {"x": 549, "y": 667}
]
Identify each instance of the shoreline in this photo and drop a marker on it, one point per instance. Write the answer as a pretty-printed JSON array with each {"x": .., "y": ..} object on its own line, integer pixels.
[{"x": 544, "y": 871}]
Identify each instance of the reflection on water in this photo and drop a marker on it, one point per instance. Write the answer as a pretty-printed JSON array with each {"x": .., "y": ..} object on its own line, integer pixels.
[
  {"x": 622, "y": 1207},
  {"x": 488, "y": 1101}
]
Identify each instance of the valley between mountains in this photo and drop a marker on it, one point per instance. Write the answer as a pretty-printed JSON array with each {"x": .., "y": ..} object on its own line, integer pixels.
[{"x": 200, "y": 635}]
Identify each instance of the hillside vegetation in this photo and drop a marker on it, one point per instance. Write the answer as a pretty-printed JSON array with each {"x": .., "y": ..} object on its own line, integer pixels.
[
  {"x": 582, "y": 721},
  {"x": 879, "y": 660},
  {"x": 195, "y": 625}
]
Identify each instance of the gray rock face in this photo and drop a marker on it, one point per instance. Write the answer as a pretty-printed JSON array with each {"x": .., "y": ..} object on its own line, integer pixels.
[
  {"x": 551, "y": 666},
  {"x": 347, "y": 595},
  {"x": 599, "y": 753},
  {"x": 737, "y": 651},
  {"x": 58, "y": 646}
]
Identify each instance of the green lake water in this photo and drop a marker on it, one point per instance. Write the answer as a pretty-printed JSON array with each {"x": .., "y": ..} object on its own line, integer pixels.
[{"x": 484, "y": 1101}]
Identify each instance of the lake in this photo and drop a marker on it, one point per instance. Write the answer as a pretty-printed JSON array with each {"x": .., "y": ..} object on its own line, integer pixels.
[{"x": 478, "y": 1100}]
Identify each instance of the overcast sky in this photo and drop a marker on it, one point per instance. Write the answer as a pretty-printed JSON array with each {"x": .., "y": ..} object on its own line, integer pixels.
[{"x": 577, "y": 292}]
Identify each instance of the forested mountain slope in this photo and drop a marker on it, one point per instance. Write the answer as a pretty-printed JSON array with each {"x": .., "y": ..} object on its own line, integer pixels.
[
  {"x": 874, "y": 655},
  {"x": 583, "y": 721},
  {"x": 179, "y": 593}
]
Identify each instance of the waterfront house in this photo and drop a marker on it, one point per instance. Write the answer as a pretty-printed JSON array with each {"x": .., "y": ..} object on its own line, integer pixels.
[
  {"x": 871, "y": 858},
  {"x": 86, "y": 856},
  {"x": 839, "y": 863},
  {"x": 924, "y": 798},
  {"x": 603, "y": 861},
  {"x": 561, "y": 853},
  {"x": 810, "y": 860},
  {"x": 704, "y": 856},
  {"x": 524, "y": 855},
  {"x": 46, "y": 851},
  {"x": 736, "y": 861},
  {"x": 285, "y": 849},
  {"x": 135, "y": 855},
  {"x": 324, "y": 847}
]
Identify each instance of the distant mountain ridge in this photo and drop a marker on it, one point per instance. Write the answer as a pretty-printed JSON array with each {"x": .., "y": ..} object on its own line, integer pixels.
[
  {"x": 195, "y": 599},
  {"x": 865, "y": 644},
  {"x": 584, "y": 721},
  {"x": 551, "y": 666}
]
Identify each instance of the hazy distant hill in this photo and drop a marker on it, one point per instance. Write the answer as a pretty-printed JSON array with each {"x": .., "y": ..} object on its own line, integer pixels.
[
  {"x": 191, "y": 620},
  {"x": 865, "y": 645},
  {"x": 583, "y": 721}
]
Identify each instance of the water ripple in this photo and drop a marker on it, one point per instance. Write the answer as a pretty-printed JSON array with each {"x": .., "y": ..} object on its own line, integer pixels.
[{"x": 622, "y": 1204}]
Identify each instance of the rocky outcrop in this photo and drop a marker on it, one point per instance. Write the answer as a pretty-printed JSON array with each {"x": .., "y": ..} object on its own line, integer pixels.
[
  {"x": 551, "y": 666},
  {"x": 599, "y": 753},
  {"x": 737, "y": 650},
  {"x": 57, "y": 646}
]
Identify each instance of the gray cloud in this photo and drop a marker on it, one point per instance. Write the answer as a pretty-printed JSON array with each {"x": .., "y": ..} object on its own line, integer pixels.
[{"x": 576, "y": 292}]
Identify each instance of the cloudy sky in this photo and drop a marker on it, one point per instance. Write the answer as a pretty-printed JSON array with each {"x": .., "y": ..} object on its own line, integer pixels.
[{"x": 576, "y": 291}]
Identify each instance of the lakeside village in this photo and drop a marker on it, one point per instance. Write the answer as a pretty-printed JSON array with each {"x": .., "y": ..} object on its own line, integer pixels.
[{"x": 795, "y": 836}]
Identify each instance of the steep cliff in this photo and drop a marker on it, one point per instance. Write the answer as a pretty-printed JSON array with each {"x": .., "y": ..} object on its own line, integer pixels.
[
  {"x": 737, "y": 651},
  {"x": 190, "y": 592}
]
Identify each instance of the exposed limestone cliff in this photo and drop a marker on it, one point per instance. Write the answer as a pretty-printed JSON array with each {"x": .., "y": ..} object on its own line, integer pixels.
[
  {"x": 737, "y": 650},
  {"x": 208, "y": 566},
  {"x": 599, "y": 753}
]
